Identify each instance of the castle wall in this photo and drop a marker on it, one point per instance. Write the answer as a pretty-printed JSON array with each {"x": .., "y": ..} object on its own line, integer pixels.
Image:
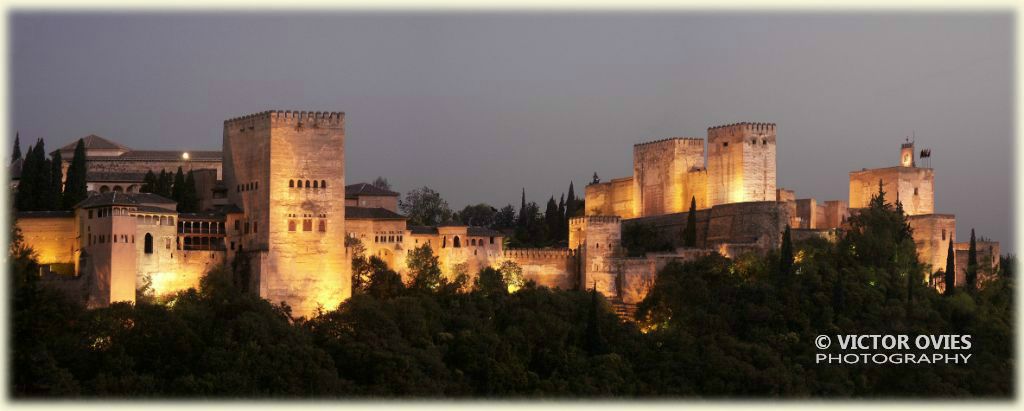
[
  {"x": 115, "y": 165},
  {"x": 932, "y": 234},
  {"x": 611, "y": 198},
  {"x": 836, "y": 212},
  {"x": 598, "y": 242},
  {"x": 548, "y": 268},
  {"x": 741, "y": 163},
  {"x": 660, "y": 175},
  {"x": 53, "y": 238},
  {"x": 988, "y": 260},
  {"x": 913, "y": 185},
  {"x": 671, "y": 226},
  {"x": 306, "y": 268},
  {"x": 760, "y": 223},
  {"x": 807, "y": 213}
]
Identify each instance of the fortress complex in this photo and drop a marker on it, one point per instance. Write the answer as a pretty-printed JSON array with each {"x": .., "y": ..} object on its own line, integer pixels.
[{"x": 275, "y": 198}]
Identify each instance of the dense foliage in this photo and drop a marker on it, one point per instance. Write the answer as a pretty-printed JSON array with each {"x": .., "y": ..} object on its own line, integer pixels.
[{"x": 714, "y": 327}]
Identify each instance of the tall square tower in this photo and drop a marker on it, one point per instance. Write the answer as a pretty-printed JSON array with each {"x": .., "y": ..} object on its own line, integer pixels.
[
  {"x": 286, "y": 171},
  {"x": 661, "y": 175},
  {"x": 741, "y": 163}
]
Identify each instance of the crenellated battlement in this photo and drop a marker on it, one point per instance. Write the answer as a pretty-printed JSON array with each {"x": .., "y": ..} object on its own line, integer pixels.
[
  {"x": 539, "y": 253},
  {"x": 289, "y": 116},
  {"x": 745, "y": 126},
  {"x": 596, "y": 219},
  {"x": 684, "y": 140}
]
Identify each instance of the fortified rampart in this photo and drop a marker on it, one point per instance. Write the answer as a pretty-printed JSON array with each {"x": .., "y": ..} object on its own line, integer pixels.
[{"x": 741, "y": 163}]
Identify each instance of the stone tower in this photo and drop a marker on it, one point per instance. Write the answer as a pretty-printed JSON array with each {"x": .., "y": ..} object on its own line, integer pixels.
[
  {"x": 597, "y": 241},
  {"x": 741, "y": 163},
  {"x": 663, "y": 176},
  {"x": 285, "y": 170},
  {"x": 907, "y": 154}
]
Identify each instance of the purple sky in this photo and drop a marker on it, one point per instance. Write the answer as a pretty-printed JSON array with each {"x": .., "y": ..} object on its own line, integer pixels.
[{"x": 477, "y": 106}]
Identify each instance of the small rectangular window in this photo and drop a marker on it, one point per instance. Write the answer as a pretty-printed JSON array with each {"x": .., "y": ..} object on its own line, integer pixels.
[{"x": 307, "y": 225}]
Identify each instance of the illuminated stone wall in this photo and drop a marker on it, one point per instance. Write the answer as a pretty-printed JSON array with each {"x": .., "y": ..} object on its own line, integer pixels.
[
  {"x": 53, "y": 238},
  {"x": 660, "y": 175},
  {"x": 913, "y": 185},
  {"x": 741, "y": 163},
  {"x": 109, "y": 245},
  {"x": 614, "y": 197},
  {"x": 306, "y": 268},
  {"x": 597, "y": 241},
  {"x": 988, "y": 260},
  {"x": 760, "y": 223},
  {"x": 932, "y": 234},
  {"x": 549, "y": 268}
]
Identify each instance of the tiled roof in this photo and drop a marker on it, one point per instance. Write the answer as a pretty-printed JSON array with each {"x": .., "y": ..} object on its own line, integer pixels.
[
  {"x": 152, "y": 198},
  {"x": 422, "y": 229},
  {"x": 94, "y": 142},
  {"x": 154, "y": 209},
  {"x": 230, "y": 209},
  {"x": 372, "y": 213},
  {"x": 44, "y": 214},
  {"x": 364, "y": 189}
]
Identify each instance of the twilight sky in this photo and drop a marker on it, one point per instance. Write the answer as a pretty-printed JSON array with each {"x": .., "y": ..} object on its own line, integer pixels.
[{"x": 478, "y": 106}]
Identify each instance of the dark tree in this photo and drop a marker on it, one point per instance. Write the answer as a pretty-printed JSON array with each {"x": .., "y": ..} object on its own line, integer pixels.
[
  {"x": 178, "y": 188},
  {"x": 382, "y": 183},
  {"x": 189, "y": 197},
  {"x": 690, "y": 232},
  {"x": 424, "y": 268},
  {"x": 56, "y": 187},
  {"x": 594, "y": 342},
  {"x": 490, "y": 281},
  {"x": 553, "y": 221},
  {"x": 571, "y": 203},
  {"x": 16, "y": 153},
  {"x": 425, "y": 206},
  {"x": 149, "y": 183},
  {"x": 75, "y": 189},
  {"x": 479, "y": 215},
  {"x": 971, "y": 277},
  {"x": 786, "y": 254},
  {"x": 950, "y": 273},
  {"x": 164, "y": 184},
  {"x": 25, "y": 198},
  {"x": 522, "y": 221},
  {"x": 505, "y": 218}
]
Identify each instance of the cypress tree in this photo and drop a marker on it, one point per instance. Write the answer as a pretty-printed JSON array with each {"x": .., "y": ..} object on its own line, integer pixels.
[
  {"x": 522, "y": 220},
  {"x": 950, "y": 274},
  {"x": 44, "y": 199},
  {"x": 972, "y": 265},
  {"x": 56, "y": 185},
  {"x": 594, "y": 341},
  {"x": 563, "y": 231},
  {"x": 553, "y": 220},
  {"x": 690, "y": 232},
  {"x": 190, "y": 198},
  {"x": 149, "y": 183},
  {"x": 75, "y": 189},
  {"x": 163, "y": 184},
  {"x": 16, "y": 153},
  {"x": 570, "y": 202},
  {"x": 786, "y": 253},
  {"x": 24, "y": 200},
  {"x": 178, "y": 189}
]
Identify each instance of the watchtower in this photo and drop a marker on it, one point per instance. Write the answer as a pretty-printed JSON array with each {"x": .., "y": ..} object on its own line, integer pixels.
[
  {"x": 285, "y": 170},
  {"x": 741, "y": 163},
  {"x": 597, "y": 241}
]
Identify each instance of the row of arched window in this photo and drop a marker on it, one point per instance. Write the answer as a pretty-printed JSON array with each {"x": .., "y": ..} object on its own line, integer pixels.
[
  {"x": 109, "y": 211},
  {"x": 387, "y": 238},
  {"x": 201, "y": 243},
  {"x": 306, "y": 184},
  {"x": 307, "y": 225},
  {"x": 201, "y": 227},
  {"x": 116, "y": 238},
  {"x": 247, "y": 187},
  {"x": 155, "y": 220}
]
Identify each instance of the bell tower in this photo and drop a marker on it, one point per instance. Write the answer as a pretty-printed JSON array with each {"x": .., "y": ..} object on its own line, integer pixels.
[{"x": 907, "y": 154}]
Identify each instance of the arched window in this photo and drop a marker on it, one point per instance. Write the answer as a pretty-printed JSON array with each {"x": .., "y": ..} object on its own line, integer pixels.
[
  {"x": 455, "y": 242},
  {"x": 323, "y": 226},
  {"x": 444, "y": 241},
  {"x": 323, "y": 183},
  {"x": 291, "y": 183},
  {"x": 118, "y": 189},
  {"x": 104, "y": 189},
  {"x": 291, "y": 225},
  {"x": 307, "y": 183},
  {"x": 148, "y": 248},
  {"x": 316, "y": 184}
]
